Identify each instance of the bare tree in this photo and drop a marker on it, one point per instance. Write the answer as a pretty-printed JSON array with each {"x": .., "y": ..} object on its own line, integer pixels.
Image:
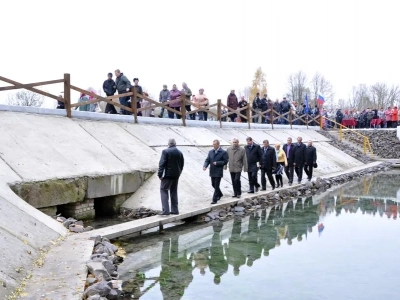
[
  {"x": 321, "y": 86},
  {"x": 297, "y": 84},
  {"x": 25, "y": 98},
  {"x": 383, "y": 96},
  {"x": 245, "y": 92}
]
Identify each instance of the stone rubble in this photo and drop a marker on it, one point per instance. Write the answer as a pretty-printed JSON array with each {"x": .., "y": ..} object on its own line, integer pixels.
[
  {"x": 351, "y": 151},
  {"x": 139, "y": 213},
  {"x": 249, "y": 204},
  {"x": 384, "y": 143},
  {"x": 73, "y": 225},
  {"x": 102, "y": 282}
]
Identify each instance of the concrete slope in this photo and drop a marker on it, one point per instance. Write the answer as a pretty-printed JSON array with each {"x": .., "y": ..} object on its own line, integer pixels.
[{"x": 195, "y": 186}]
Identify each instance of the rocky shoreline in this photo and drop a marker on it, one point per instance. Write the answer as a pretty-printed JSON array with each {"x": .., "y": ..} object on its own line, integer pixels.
[{"x": 250, "y": 204}]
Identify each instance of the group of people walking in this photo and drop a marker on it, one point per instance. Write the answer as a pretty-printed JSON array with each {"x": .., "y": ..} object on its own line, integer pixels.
[{"x": 290, "y": 159}]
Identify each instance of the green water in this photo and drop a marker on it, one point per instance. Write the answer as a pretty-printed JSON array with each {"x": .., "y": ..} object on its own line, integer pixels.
[{"x": 342, "y": 244}]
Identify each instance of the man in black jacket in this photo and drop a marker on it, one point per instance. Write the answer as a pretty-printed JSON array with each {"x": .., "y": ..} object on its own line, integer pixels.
[
  {"x": 217, "y": 158},
  {"x": 311, "y": 159},
  {"x": 110, "y": 88},
  {"x": 299, "y": 158},
  {"x": 289, "y": 151},
  {"x": 285, "y": 107},
  {"x": 170, "y": 168},
  {"x": 253, "y": 154},
  {"x": 267, "y": 165}
]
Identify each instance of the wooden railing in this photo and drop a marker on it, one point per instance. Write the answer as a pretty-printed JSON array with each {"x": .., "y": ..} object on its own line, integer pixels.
[{"x": 247, "y": 113}]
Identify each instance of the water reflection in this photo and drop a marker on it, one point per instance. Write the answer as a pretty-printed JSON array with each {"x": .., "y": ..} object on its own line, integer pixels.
[{"x": 224, "y": 249}]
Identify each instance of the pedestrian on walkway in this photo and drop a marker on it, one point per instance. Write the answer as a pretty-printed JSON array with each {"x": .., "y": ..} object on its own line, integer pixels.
[
  {"x": 164, "y": 97},
  {"x": 281, "y": 164},
  {"x": 253, "y": 155},
  {"x": 109, "y": 88},
  {"x": 188, "y": 94},
  {"x": 267, "y": 165},
  {"x": 311, "y": 159},
  {"x": 299, "y": 158},
  {"x": 217, "y": 158},
  {"x": 175, "y": 102},
  {"x": 237, "y": 164},
  {"x": 288, "y": 148},
  {"x": 123, "y": 85},
  {"x": 232, "y": 103},
  {"x": 169, "y": 170}
]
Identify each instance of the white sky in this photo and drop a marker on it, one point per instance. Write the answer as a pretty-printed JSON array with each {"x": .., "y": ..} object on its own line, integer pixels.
[{"x": 216, "y": 45}]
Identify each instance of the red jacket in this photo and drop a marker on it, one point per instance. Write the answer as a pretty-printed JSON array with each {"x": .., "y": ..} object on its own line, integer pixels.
[
  {"x": 395, "y": 114},
  {"x": 232, "y": 101}
]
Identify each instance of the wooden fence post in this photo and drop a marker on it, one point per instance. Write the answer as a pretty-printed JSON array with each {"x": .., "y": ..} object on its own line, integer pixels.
[
  {"x": 248, "y": 113},
  {"x": 219, "y": 113},
  {"x": 134, "y": 105},
  {"x": 271, "y": 118},
  {"x": 321, "y": 120},
  {"x": 67, "y": 94},
  {"x": 290, "y": 117},
  {"x": 183, "y": 110}
]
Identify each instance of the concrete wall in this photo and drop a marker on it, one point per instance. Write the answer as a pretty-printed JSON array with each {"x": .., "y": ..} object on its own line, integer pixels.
[{"x": 36, "y": 147}]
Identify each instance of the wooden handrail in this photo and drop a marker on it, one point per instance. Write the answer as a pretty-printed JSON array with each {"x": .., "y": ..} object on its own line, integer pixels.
[{"x": 30, "y": 85}]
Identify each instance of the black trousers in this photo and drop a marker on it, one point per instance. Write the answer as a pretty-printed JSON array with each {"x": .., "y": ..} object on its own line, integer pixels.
[
  {"x": 237, "y": 185},
  {"x": 171, "y": 114},
  {"x": 215, "y": 182},
  {"x": 110, "y": 109},
  {"x": 169, "y": 190},
  {"x": 308, "y": 169},
  {"x": 299, "y": 171},
  {"x": 270, "y": 178},
  {"x": 253, "y": 181},
  {"x": 232, "y": 117},
  {"x": 289, "y": 172},
  {"x": 191, "y": 116},
  {"x": 279, "y": 179}
]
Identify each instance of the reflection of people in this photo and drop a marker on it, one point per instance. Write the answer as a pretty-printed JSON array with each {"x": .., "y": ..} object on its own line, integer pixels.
[
  {"x": 217, "y": 158},
  {"x": 176, "y": 272},
  {"x": 218, "y": 265},
  {"x": 169, "y": 170},
  {"x": 234, "y": 252},
  {"x": 201, "y": 260}
]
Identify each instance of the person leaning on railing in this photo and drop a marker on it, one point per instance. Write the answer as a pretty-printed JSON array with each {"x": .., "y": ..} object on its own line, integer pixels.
[
  {"x": 109, "y": 88},
  {"x": 123, "y": 85},
  {"x": 243, "y": 103},
  {"x": 200, "y": 100},
  {"x": 164, "y": 97},
  {"x": 175, "y": 94}
]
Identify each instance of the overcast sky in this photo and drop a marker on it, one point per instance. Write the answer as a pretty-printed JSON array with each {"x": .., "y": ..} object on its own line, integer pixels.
[{"x": 215, "y": 45}]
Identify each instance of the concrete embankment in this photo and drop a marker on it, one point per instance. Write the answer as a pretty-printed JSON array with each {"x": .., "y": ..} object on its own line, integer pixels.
[{"x": 39, "y": 153}]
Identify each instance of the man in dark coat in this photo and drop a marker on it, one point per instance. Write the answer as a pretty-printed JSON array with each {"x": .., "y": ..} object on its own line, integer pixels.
[
  {"x": 217, "y": 158},
  {"x": 139, "y": 91},
  {"x": 267, "y": 165},
  {"x": 288, "y": 148},
  {"x": 339, "y": 117},
  {"x": 299, "y": 158},
  {"x": 311, "y": 159},
  {"x": 110, "y": 88},
  {"x": 253, "y": 154},
  {"x": 170, "y": 168}
]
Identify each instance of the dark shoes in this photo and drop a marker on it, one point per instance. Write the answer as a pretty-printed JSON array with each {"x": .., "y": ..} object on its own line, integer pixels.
[
  {"x": 214, "y": 202},
  {"x": 234, "y": 196},
  {"x": 250, "y": 192},
  {"x": 273, "y": 188},
  {"x": 257, "y": 188},
  {"x": 263, "y": 189}
]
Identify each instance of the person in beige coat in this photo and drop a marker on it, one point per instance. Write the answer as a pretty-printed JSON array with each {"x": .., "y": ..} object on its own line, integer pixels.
[{"x": 237, "y": 164}]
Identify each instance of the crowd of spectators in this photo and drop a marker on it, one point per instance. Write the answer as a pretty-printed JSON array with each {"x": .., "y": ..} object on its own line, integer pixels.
[{"x": 282, "y": 110}]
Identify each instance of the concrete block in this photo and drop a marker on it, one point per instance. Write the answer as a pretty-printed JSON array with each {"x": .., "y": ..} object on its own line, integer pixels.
[
  {"x": 51, "y": 192},
  {"x": 50, "y": 211},
  {"x": 114, "y": 184}
]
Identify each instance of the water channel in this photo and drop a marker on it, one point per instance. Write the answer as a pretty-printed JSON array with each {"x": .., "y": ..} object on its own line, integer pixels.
[{"x": 342, "y": 244}]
